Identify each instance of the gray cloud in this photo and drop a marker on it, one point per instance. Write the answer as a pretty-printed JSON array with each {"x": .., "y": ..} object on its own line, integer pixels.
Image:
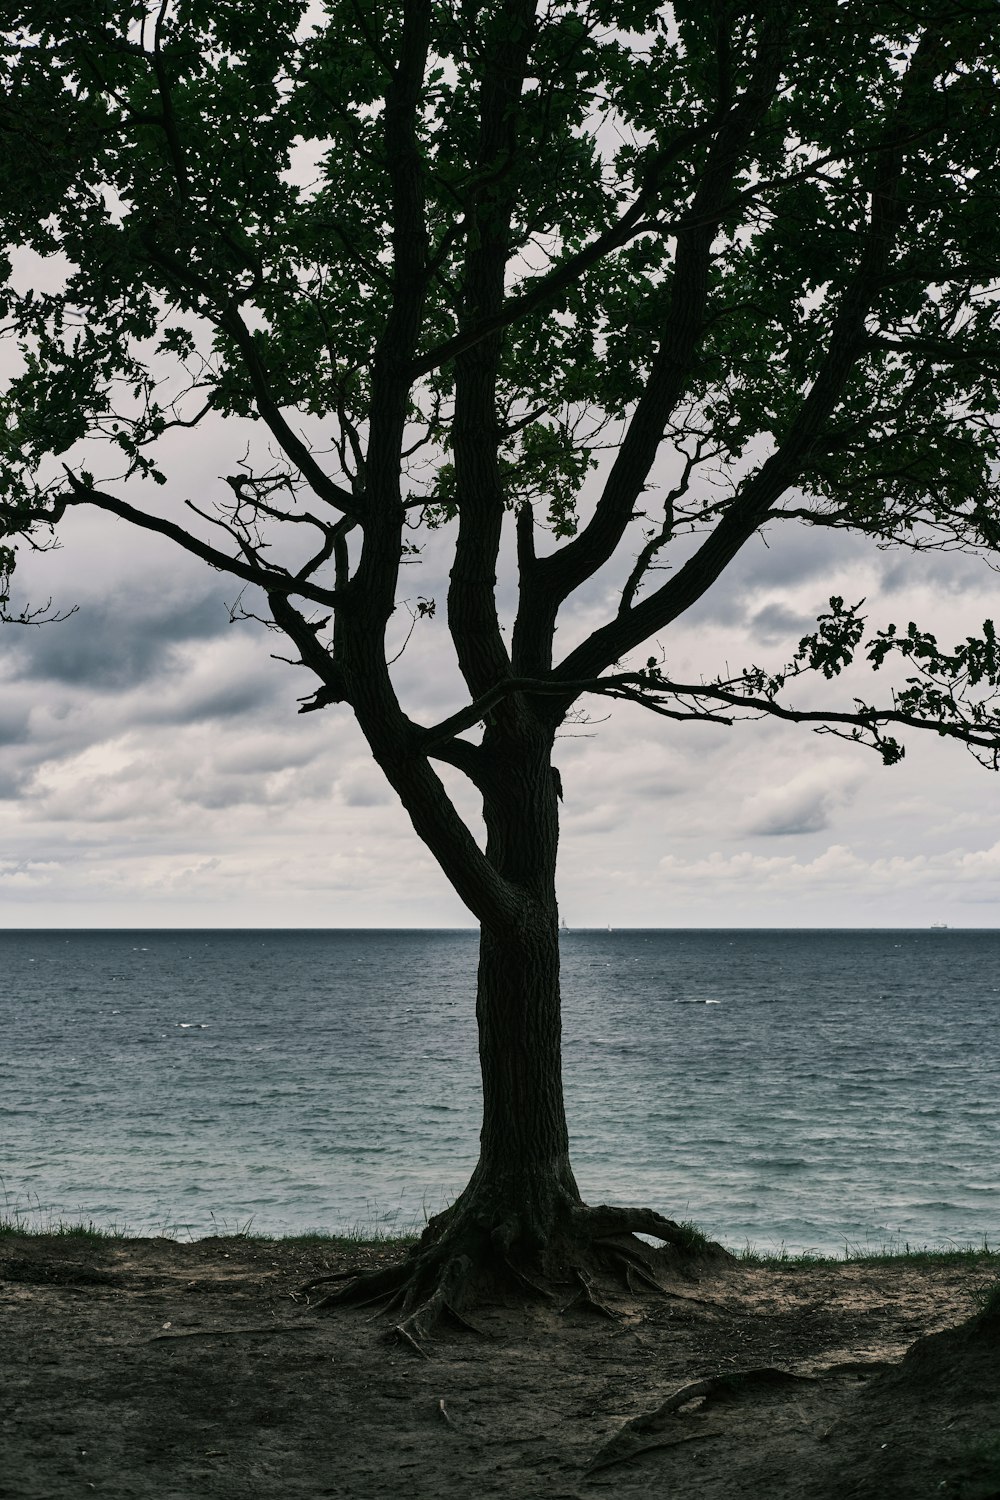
[
  {"x": 12, "y": 782},
  {"x": 115, "y": 643},
  {"x": 791, "y": 554},
  {"x": 654, "y": 787},
  {"x": 950, "y": 573},
  {"x": 225, "y": 700},
  {"x": 160, "y": 761},
  {"x": 364, "y": 790},
  {"x": 808, "y": 815},
  {"x": 788, "y": 556},
  {"x": 13, "y": 725},
  {"x": 804, "y": 804},
  {"x": 775, "y": 624},
  {"x": 260, "y": 756}
]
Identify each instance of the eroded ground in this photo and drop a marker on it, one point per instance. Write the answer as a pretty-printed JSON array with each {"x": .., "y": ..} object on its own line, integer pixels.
[{"x": 186, "y": 1372}]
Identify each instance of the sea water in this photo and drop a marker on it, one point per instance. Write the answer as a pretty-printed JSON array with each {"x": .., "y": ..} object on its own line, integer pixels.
[{"x": 806, "y": 1089}]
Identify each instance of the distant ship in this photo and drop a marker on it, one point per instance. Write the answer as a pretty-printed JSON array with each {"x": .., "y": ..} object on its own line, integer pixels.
[
  {"x": 939, "y": 927},
  {"x": 562, "y": 926}
]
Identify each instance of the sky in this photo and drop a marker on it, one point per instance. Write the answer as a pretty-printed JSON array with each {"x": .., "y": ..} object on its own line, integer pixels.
[{"x": 155, "y": 772}]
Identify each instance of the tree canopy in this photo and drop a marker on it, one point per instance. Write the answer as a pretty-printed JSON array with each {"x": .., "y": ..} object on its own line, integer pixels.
[
  {"x": 628, "y": 273},
  {"x": 597, "y": 289}
]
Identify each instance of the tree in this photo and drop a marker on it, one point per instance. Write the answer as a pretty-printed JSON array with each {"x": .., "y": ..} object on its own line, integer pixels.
[{"x": 629, "y": 281}]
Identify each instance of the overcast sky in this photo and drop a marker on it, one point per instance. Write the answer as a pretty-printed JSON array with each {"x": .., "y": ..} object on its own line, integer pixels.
[{"x": 154, "y": 770}]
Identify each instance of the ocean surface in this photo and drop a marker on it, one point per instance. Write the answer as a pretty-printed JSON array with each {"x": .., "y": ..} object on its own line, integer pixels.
[{"x": 815, "y": 1090}]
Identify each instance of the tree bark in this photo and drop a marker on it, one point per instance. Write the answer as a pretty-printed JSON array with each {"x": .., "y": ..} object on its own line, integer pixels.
[
  {"x": 523, "y": 1188},
  {"x": 523, "y": 1180}
]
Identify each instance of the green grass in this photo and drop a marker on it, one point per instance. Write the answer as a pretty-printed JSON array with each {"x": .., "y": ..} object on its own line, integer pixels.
[
  {"x": 30, "y": 1218},
  {"x": 870, "y": 1255},
  {"x": 987, "y": 1299},
  {"x": 362, "y": 1236},
  {"x": 383, "y": 1231},
  {"x": 17, "y": 1217},
  {"x": 692, "y": 1238},
  {"x": 38, "y": 1226},
  {"x": 11, "y": 1224}
]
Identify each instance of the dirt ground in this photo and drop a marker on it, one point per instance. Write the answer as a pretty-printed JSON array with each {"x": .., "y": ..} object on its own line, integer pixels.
[{"x": 178, "y": 1371}]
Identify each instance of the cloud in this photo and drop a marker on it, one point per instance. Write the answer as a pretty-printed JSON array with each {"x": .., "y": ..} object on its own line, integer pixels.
[
  {"x": 164, "y": 776},
  {"x": 113, "y": 643},
  {"x": 13, "y": 725},
  {"x": 365, "y": 788},
  {"x": 133, "y": 779},
  {"x": 950, "y": 573},
  {"x": 775, "y": 624},
  {"x": 27, "y": 876},
  {"x": 804, "y": 804},
  {"x": 196, "y": 703},
  {"x": 839, "y": 867},
  {"x": 789, "y": 558}
]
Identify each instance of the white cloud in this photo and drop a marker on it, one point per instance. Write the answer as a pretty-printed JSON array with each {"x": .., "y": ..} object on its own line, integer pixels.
[
  {"x": 840, "y": 868},
  {"x": 806, "y": 803},
  {"x": 153, "y": 767},
  {"x": 27, "y": 876}
]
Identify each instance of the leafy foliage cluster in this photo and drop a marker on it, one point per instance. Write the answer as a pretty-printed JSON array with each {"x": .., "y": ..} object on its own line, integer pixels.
[{"x": 528, "y": 260}]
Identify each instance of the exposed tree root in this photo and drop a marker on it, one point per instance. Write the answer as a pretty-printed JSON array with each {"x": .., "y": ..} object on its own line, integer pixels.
[
  {"x": 584, "y": 1297},
  {"x": 364, "y": 1288},
  {"x": 463, "y": 1256},
  {"x": 256, "y": 1331},
  {"x": 603, "y": 1222},
  {"x": 662, "y": 1427},
  {"x": 449, "y": 1288},
  {"x": 310, "y": 1286}
]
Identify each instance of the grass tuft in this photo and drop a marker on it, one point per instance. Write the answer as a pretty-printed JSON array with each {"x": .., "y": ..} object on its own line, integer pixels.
[
  {"x": 692, "y": 1238},
  {"x": 987, "y": 1299}
]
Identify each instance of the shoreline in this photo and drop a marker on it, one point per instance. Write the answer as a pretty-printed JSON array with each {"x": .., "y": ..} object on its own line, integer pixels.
[{"x": 960, "y": 1254}]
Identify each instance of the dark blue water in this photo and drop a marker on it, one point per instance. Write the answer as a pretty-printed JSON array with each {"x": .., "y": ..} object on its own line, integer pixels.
[{"x": 812, "y": 1089}]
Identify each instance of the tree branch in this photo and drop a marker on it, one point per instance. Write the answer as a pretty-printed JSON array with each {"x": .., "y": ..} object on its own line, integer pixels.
[
  {"x": 269, "y": 579},
  {"x": 480, "y": 497},
  {"x": 847, "y": 341},
  {"x": 169, "y": 120},
  {"x": 568, "y": 272},
  {"x": 290, "y": 443},
  {"x": 554, "y": 577},
  {"x": 655, "y": 694}
]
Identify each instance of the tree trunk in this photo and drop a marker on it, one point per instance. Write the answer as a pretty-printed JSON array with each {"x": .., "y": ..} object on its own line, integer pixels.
[
  {"x": 523, "y": 1178},
  {"x": 520, "y": 1218},
  {"x": 523, "y": 1186}
]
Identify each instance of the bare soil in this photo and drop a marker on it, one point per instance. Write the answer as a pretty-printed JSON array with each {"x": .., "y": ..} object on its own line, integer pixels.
[{"x": 187, "y": 1372}]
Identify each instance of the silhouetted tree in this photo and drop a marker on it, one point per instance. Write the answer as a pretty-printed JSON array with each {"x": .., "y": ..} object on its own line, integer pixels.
[{"x": 633, "y": 280}]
